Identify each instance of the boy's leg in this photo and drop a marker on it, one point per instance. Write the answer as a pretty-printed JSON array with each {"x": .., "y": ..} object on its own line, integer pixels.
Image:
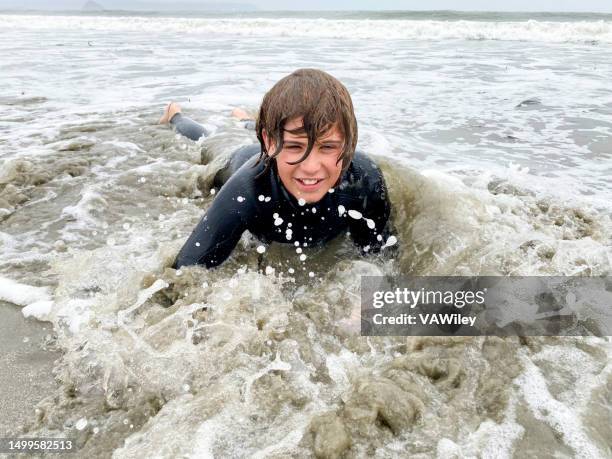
[
  {"x": 193, "y": 130},
  {"x": 181, "y": 124},
  {"x": 246, "y": 117},
  {"x": 187, "y": 127}
]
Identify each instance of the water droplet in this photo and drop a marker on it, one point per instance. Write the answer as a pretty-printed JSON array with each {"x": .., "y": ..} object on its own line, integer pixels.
[
  {"x": 301, "y": 201},
  {"x": 354, "y": 214},
  {"x": 261, "y": 249},
  {"x": 81, "y": 424},
  {"x": 391, "y": 241},
  {"x": 302, "y": 257}
]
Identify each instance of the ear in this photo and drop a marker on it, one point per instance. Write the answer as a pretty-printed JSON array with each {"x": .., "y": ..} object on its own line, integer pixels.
[{"x": 270, "y": 145}]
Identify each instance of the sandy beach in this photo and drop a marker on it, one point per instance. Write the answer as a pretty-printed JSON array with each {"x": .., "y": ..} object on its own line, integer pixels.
[{"x": 26, "y": 367}]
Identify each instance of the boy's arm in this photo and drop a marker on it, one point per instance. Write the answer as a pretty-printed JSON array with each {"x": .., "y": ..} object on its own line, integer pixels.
[{"x": 218, "y": 232}]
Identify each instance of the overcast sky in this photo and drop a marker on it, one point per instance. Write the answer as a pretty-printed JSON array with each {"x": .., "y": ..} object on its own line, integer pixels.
[{"x": 604, "y": 6}]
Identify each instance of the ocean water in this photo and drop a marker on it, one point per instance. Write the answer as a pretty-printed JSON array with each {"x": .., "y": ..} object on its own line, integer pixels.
[{"x": 494, "y": 132}]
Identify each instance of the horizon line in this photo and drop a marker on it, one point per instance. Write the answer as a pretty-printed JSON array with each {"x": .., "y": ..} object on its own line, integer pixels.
[{"x": 256, "y": 9}]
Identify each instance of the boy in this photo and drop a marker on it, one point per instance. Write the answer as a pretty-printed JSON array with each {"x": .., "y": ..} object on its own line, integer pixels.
[{"x": 304, "y": 184}]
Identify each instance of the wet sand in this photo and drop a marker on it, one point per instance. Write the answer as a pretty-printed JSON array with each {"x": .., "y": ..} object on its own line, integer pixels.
[{"x": 25, "y": 367}]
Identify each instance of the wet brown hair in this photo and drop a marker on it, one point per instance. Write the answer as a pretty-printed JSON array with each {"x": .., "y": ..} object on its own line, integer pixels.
[{"x": 317, "y": 97}]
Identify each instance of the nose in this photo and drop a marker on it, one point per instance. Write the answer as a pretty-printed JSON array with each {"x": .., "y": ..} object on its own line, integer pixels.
[{"x": 312, "y": 164}]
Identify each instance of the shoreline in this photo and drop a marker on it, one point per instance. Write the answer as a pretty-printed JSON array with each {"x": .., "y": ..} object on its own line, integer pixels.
[{"x": 26, "y": 375}]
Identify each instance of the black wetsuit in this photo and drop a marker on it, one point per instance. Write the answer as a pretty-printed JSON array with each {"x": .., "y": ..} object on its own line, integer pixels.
[{"x": 262, "y": 205}]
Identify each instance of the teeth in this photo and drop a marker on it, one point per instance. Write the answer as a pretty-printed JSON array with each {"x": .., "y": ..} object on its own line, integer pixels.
[{"x": 309, "y": 181}]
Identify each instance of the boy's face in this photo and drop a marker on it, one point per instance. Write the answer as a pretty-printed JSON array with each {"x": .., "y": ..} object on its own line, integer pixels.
[{"x": 313, "y": 177}]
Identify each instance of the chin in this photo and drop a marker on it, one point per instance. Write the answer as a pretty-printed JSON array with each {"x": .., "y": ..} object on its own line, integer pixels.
[{"x": 314, "y": 197}]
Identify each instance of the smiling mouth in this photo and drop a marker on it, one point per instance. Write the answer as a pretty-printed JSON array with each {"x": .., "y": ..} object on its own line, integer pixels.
[{"x": 308, "y": 182}]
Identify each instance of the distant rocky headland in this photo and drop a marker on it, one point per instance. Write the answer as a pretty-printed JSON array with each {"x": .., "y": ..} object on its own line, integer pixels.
[{"x": 92, "y": 6}]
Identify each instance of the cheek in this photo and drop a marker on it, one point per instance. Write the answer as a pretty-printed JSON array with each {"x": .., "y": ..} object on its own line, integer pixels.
[
  {"x": 284, "y": 170},
  {"x": 334, "y": 168}
]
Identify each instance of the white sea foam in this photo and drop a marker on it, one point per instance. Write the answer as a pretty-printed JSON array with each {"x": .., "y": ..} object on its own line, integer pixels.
[
  {"x": 39, "y": 310},
  {"x": 87, "y": 211},
  {"x": 531, "y": 30},
  {"x": 563, "y": 416},
  {"x": 21, "y": 294}
]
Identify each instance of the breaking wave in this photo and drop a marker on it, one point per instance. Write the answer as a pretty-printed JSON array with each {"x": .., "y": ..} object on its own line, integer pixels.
[{"x": 529, "y": 30}]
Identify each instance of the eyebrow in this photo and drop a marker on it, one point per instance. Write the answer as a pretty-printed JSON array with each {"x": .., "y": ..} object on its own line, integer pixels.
[
  {"x": 296, "y": 141},
  {"x": 335, "y": 142}
]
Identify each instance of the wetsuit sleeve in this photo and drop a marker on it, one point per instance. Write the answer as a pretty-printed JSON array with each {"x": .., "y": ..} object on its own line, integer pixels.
[
  {"x": 218, "y": 232},
  {"x": 373, "y": 229}
]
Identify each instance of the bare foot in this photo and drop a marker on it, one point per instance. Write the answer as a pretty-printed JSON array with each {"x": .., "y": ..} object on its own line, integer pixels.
[
  {"x": 241, "y": 114},
  {"x": 171, "y": 109}
]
